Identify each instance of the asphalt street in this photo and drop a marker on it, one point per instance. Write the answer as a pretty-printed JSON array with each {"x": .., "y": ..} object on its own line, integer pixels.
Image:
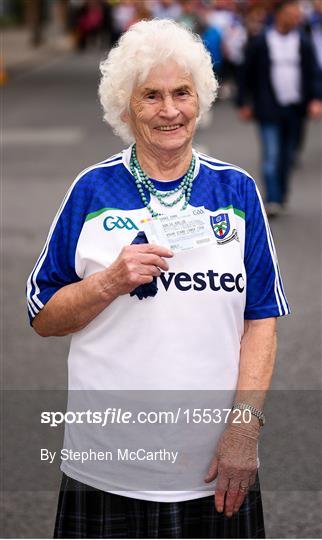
[{"x": 52, "y": 129}]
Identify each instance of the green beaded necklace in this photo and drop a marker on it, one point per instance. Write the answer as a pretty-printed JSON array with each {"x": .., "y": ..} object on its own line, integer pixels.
[{"x": 141, "y": 179}]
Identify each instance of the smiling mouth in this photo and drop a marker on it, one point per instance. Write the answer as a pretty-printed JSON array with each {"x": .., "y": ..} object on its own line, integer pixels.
[{"x": 169, "y": 128}]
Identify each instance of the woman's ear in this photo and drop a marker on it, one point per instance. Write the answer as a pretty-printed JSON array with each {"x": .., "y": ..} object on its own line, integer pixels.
[{"x": 125, "y": 116}]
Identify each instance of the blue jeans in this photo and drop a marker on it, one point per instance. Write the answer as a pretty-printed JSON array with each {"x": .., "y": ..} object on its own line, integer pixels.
[{"x": 280, "y": 142}]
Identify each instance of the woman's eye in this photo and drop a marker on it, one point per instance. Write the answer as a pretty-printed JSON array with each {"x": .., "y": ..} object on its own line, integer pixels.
[{"x": 151, "y": 97}]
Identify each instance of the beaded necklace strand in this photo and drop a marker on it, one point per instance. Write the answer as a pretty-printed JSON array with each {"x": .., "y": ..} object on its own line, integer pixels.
[{"x": 141, "y": 179}]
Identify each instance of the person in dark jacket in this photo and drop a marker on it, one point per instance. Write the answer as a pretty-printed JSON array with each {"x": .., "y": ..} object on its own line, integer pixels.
[{"x": 279, "y": 86}]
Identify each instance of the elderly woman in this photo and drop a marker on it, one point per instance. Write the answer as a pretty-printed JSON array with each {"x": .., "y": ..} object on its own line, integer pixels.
[{"x": 152, "y": 315}]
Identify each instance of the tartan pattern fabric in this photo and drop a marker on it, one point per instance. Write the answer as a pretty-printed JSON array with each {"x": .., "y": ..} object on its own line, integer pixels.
[{"x": 86, "y": 512}]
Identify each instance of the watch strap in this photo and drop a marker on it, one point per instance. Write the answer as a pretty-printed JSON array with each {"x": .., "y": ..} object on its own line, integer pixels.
[{"x": 255, "y": 412}]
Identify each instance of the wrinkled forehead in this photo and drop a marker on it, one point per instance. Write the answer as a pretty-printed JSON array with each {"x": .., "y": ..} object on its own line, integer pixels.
[{"x": 166, "y": 76}]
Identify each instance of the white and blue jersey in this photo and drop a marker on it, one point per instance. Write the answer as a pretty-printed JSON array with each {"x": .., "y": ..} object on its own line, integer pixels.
[{"x": 188, "y": 335}]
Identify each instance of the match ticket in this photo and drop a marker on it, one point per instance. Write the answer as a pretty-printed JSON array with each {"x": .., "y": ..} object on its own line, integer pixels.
[{"x": 181, "y": 231}]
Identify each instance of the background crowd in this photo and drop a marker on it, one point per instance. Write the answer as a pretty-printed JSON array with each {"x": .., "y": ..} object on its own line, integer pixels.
[
  {"x": 275, "y": 80},
  {"x": 267, "y": 55},
  {"x": 224, "y": 25}
]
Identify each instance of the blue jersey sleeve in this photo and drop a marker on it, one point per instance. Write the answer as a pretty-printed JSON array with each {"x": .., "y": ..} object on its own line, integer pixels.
[
  {"x": 55, "y": 266},
  {"x": 265, "y": 294}
]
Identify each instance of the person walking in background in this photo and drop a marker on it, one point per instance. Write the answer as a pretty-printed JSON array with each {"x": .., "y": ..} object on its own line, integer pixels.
[
  {"x": 166, "y": 9},
  {"x": 124, "y": 12},
  {"x": 224, "y": 19},
  {"x": 279, "y": 85},
  {"x": 89, "y": 24},
  {"x": 254, "y": 19},
  {"x": 190, "y": 16},
  {"x": 213, "y": 42},
  {"x": 142, "y": 12},
  {"x": 315, "y": 30}
]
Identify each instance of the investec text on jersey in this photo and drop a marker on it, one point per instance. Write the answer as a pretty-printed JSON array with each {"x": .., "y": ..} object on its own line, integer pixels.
[{"x": 199, "y": 281}]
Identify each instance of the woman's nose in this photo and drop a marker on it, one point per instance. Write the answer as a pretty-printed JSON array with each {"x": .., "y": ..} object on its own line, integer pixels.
[{"x": 169, "y": 108}]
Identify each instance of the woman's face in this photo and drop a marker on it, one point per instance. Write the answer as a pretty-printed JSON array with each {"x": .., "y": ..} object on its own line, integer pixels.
[{"x": 163, "y": 110}]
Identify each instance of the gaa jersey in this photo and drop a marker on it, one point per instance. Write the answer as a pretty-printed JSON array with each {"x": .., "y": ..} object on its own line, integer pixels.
[{"x": 188, "y": 336}]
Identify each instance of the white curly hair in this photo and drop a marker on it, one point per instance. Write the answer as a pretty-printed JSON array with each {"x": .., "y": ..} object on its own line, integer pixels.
[{"x": 145, "y": 45}]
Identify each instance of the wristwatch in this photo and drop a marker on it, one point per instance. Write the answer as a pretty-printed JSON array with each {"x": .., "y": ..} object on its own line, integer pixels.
[{"x": 255, "y": 412}]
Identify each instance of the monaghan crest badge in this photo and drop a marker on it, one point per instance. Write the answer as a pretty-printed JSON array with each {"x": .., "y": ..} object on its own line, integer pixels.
[{"x": 220, "y": 225}]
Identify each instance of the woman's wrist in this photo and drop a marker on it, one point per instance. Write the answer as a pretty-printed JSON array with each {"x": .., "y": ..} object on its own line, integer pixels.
[
  {"x": 245, "y": 426},
  {"x": 106, "y": 286}
]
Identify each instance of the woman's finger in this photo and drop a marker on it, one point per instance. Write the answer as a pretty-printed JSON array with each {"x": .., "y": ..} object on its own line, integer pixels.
[
  {"x": 149, "y": 270},
  {"x": 252, "y": 478},
  {"x": 150, "y": 258},
  {"x": 220, "y": 493},
  {"x": 242, "y": 493},
  {"x": 136, "y": 271},
  {"x": 212, "y": 471},
  {"x": 161, "y": 251},
  {"x": 239, "y": 500},
  {"x": 231, "y": 496}
]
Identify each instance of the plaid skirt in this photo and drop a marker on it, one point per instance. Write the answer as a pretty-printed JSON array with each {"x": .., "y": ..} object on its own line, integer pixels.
[{"x": 86, "y": 512}]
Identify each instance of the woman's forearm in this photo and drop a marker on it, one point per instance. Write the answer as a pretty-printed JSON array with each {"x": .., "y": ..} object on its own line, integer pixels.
[
  {"x": 74, "y": 306},
  {"x": 257, "y": 359}
]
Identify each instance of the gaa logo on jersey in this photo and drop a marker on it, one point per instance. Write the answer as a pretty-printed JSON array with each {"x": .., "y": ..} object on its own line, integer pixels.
[
  {"x": 112, "y": 222},
  {"x": 222, "y": 228}
]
